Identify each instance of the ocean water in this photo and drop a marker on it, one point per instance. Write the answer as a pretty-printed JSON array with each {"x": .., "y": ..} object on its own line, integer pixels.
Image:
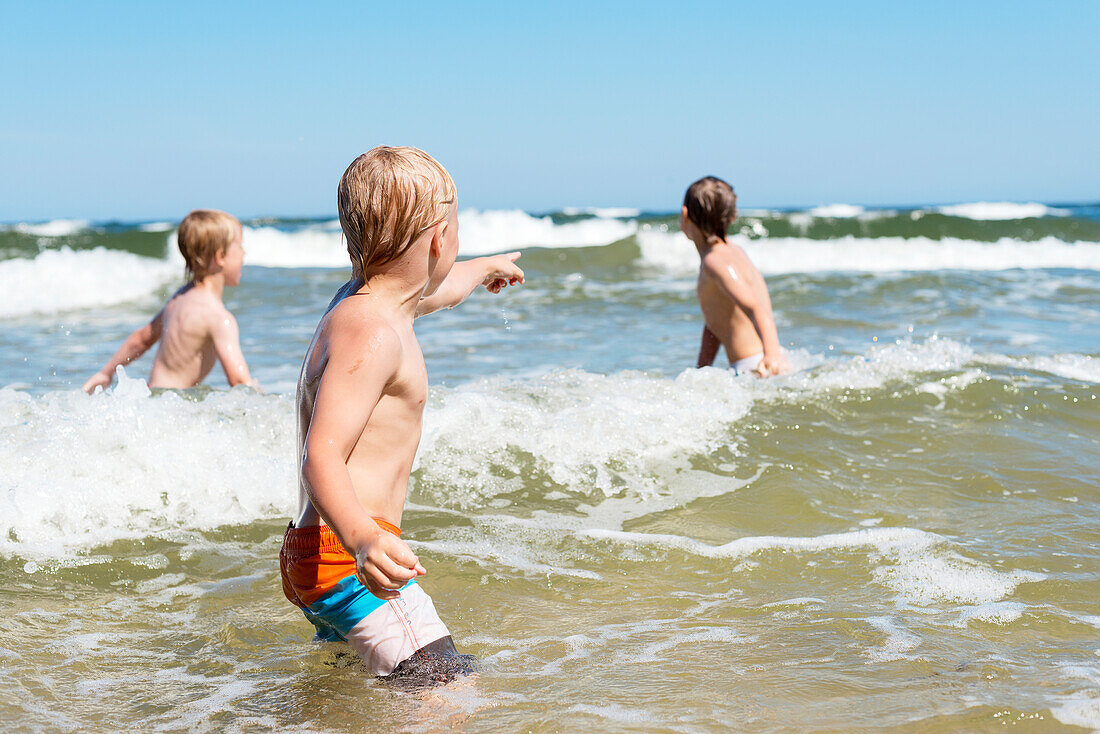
[{"x": 900, "y": 535}]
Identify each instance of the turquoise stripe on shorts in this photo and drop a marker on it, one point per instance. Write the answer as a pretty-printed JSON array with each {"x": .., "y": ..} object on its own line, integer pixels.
[{"x": 346, "y": 605}]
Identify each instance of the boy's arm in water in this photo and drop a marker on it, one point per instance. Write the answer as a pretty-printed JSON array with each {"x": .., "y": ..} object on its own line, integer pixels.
[
  {"x": 135, "y": 345},
  {"x": 227, "y": 345},
  {"x": 362, "y": 359},
  {"x": 721, "y": 267},
  {"x": 708, "y": 348},
  {"x": 495, "y": 273}
]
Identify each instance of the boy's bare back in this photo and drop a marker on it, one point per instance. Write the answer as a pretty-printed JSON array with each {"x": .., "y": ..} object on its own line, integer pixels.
[
  {"x": 725, "y": 317},
  {"x": 197, "y": 330}
]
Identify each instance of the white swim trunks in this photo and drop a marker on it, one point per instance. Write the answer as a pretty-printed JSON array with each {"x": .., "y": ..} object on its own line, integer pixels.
[{"x": 748, "y": 364}]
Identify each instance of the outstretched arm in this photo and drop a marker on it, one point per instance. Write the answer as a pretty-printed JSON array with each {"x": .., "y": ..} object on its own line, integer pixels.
[
  {"x": 227, "y": 345},
  {"x": 495, "y": 273},
  {"x": 362, "y": 359},
  {"x": 133, "y": 347},
  {"x": 756, "y": 306},
  {"x": 708, "y": 348}
]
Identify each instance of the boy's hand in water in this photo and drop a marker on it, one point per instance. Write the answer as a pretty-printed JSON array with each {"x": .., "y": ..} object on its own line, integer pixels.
[
  {"x": 99, "y": 379},
  {"x": 772, "y": 365},
  {"x": 502, "y": 271},
  {"x": 385, "y": 564}
]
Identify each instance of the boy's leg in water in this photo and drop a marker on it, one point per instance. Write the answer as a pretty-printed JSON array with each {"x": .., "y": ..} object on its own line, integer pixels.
[{"x": 435, "y": 664}]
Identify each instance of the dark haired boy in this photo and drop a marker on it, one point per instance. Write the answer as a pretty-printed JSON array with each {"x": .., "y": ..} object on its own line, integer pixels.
[{"x": 737, "y": 312}]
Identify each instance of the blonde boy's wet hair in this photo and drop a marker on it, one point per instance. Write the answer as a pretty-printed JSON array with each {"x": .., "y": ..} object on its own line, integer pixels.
[
  {"x": 203, "y": 234},
  {"x": 387, "y": 198}
]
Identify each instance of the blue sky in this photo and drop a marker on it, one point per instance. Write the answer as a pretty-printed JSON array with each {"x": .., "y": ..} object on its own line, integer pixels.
[{"x": 145, "y": 111}]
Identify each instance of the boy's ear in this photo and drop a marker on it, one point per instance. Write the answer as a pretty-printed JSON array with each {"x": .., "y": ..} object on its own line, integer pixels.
[{"x": 436, "y": 245}]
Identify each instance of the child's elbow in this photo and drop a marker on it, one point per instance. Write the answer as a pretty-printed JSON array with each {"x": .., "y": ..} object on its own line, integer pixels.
[
  {"x": 309, "y": 470},
  {"x": 314, "y": 461}
]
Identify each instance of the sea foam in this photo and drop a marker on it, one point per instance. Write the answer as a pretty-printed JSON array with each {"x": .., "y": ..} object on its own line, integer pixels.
[
  {"x": 914, "y": 563},
  {"x": 672, "y": 250},
  {"x": 116, "y": 468},
  {"x": 1000, "y": 210},
  {"x": 480, "y": 233},
  {"x": 66, "y": 279},
  {"x": 82, "y": 470},
  {"x": 836, "y": 211},
  {"x": 54, "y": 228},
  {"x": 605, "y": 212}
]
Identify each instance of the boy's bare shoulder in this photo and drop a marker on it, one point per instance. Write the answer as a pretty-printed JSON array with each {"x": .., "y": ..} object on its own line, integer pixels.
[
  {"x": 721, "y": 258},
  {"x": 196, "y": 309},
  {"x": 353, "y": 328},
  {"x": 717, "y": 260},
  {"x": 209, "y": 308}
]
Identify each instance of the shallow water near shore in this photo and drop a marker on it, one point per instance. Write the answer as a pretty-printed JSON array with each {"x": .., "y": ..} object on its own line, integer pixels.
[{"x": 899, "y": 535}]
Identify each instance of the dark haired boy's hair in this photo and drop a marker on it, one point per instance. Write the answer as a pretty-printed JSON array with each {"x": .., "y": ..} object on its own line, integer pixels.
[{"x": 711, "y": 206}]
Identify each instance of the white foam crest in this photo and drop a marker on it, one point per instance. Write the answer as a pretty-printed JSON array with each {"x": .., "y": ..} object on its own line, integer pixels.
[
  {"x": 910, "y": 562},
  {"x": 590, "y": 431},
  {"x": 54, "y": 228},
  {"x": 135, "y": 465},
  {"x": 1001, "y": 613},
  {"x": 598, "y": 434},
  {"x": 480, "y": 233},
  {"x": 315, "y": 246},
  {"x": 497, "y": 552},
  {"x": 605, "y": 212},
  {"x": 1081, "y": 708},
  {"x": 483, "y": 232},
  {"x": 779, "y": 255},
  {"x": 884, "y": 363},
  {"x": 836, "y": 211},
  {"x": 883, "y": 540},
  {"x": 1083, "y": 367},
  {"x": 622, "y": 441},
  {"x": 613, "y": 712},
  {"x": 66, "y": 279},
  {"x": 897, "y": 643},
  {"x": 702, "y": 637},
  {"x": 927, "y": 578},
  {"x": 1000, "y": 210},
  {"x": 156, "y": 227}
]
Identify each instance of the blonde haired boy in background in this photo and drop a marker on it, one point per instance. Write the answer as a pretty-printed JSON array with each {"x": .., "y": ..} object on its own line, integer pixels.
[
  {"x": 361, "y": 397},
  {"x": 194, "y": 328}
]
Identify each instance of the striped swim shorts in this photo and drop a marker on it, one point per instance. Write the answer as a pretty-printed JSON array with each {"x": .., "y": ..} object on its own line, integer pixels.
[{"x": 319, "y": 577}]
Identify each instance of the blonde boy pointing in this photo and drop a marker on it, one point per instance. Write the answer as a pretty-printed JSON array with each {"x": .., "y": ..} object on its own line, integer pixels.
[{"x": 361, "y": 397}]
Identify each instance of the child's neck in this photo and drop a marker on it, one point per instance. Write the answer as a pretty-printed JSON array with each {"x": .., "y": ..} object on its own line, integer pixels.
[
  {"x": 705, "y": 244},
  {"x": 392, "y": 288},
  {"x": 214, "y": 284}
]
